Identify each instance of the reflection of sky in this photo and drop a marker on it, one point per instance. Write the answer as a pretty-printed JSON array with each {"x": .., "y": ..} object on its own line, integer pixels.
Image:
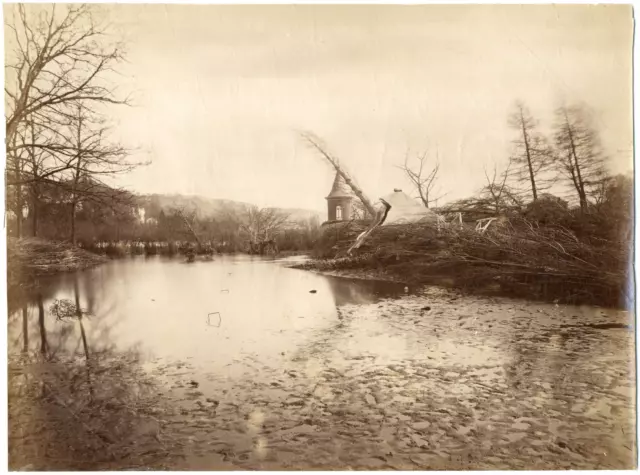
[{"x": 163, "y": 306}]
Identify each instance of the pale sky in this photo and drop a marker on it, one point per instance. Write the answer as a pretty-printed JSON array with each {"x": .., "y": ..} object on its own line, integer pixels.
[{"x": 222, "y": 90}]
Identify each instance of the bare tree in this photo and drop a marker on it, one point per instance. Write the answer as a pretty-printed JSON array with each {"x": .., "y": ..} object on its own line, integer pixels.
[
  {"x": 37, "y": 160},
  {"x": 532, "y": 156},
  {"x": 30, "y": 166},
  {"x": 57, "y": 71},
  {"x": 58, "y": 59},
  {"x": 261, "y": 226},
  {"x": 579, "y": 156},
  {"x": 422, "y": 178},
  {"x": 189, "y": 219},
  {"x": 497, "y": 192},
  {"x": 93, "y": 157}
]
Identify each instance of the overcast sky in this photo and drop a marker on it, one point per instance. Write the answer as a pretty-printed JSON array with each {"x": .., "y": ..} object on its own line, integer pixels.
[{"x": 222, "y": 90}]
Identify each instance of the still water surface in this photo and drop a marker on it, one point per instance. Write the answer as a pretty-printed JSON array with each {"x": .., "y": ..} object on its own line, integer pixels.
[{"x": 211, "y": 312}]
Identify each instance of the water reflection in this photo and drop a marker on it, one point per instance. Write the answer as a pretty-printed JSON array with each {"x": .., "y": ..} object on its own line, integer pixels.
[
  {"x": 351, "y": 291},
  {"x": 161, "y": 306},
  {"x": 44, "y": 345},
  {"x": 71, "y": 394}
]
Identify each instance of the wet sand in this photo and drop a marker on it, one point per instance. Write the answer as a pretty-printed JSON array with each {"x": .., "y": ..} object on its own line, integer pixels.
[{"x": 430, "y": 381}]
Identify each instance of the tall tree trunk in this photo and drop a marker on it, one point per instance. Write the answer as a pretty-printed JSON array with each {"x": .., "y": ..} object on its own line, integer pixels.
[
  {"x": 35, "y": 192},
  {"x": 76, "y": 178},
  {"x": 579, "y": 183},
  {"x": 19, "y": 206},
  {"x": 529, "y": 164},
  {"x": 18, "y": 190}
]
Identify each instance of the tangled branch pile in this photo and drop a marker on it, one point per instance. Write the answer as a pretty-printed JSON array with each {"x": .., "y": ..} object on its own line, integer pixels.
[{"x": 515, "y": 257}]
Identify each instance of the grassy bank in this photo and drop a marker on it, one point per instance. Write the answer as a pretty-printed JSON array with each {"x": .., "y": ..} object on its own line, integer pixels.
[
  {"x": 515, "y": 258},
  {"x": 31, "y": 258}
]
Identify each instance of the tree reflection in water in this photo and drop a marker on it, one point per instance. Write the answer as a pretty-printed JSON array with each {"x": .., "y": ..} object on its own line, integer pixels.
[
  {"x": 362, "y": 291},
  {"x": 71, "y": 410},
  {"x": 44, "y": 346},
  {"x": 25, "y": 330}
]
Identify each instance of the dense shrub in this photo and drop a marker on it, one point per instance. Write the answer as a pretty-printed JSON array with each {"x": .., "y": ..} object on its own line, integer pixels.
[{"x": 547, "y": 210}]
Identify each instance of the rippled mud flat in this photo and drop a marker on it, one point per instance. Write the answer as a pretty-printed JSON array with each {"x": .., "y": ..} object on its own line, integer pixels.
[
  {"x": 71, "y": 414},
  {"x": 435, "y": 381}
]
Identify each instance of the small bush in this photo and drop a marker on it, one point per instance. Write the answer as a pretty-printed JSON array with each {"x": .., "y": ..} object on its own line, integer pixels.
[{"x": 547, "y": 210}]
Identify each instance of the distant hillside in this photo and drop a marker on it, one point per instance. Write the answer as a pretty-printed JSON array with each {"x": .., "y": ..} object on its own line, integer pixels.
[
  {"x": 204, "y": 207},
  {"x": 210, "y": 207},
  {"x": 298, "y": 214}
]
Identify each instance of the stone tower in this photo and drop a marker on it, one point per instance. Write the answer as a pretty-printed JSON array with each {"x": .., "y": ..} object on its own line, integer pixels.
[{"x": 340, "y": 200}]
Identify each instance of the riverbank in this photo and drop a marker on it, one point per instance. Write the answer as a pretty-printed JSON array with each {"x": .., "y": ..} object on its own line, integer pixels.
[
  {"x": 29, "y": 259},
  {"x": 347, "y": 268},
  {"x": 514, "y": 259}
]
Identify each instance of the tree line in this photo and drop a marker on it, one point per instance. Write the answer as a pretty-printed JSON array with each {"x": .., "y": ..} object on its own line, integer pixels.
[
  {"x": 563, "y": 171},
  {"x": 60, "y": 150},
  {"x": 61, "y": 69}
]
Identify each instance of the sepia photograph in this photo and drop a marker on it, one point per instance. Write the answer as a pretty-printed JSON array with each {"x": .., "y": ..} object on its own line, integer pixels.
[{"x": 321, "y": 237}]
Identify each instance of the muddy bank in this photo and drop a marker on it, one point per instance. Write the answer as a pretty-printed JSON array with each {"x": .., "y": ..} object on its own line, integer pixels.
[
  {"x": 477, "y": 281},
  {"x": 437, "y": 381},
  {"x": 30, "y": 259},
  {"x": 333, "y": 268},
  {"x": 360, "y": 268}
]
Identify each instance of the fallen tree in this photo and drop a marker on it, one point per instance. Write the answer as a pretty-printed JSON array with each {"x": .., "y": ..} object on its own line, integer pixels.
[
  {"x": 515, "y": 257},
  {"x": 378, "y": 215},
  {"x": 316, "y": 143}
]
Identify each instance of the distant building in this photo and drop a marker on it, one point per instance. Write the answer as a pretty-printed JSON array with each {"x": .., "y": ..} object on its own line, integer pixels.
[
  {"x": 340, "y": 200},
  {"x": 405, "y": 210}
]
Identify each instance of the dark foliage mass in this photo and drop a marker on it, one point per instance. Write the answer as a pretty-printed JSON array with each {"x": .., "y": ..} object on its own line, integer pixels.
[{"x": 157, "y": 224}]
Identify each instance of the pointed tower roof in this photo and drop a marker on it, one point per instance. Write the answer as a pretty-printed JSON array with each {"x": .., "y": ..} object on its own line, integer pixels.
[{"x": 340, "y": 189}]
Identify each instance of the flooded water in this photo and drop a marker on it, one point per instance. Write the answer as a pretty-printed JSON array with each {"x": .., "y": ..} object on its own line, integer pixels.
[
  {"x": 212, "y": 312},
  {"x": 268, "y": 367}
]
